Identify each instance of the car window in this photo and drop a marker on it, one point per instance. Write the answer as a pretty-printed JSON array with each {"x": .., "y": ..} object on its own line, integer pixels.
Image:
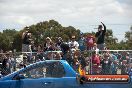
[{"x": 51, "y": 69}]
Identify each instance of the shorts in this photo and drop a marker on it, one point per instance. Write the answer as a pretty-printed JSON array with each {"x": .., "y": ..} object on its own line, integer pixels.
[
  {"x": 26, "y": 48},
  {"x": 100, "y": 46}
]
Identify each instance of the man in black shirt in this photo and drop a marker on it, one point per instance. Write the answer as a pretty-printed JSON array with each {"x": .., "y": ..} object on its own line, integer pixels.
[
  {"x": 26, "y": 41},
  {"x": 100, "y": 36}
]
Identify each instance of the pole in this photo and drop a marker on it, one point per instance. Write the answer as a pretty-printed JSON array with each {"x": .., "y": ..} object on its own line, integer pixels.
[{"x": 14, "y": 60}]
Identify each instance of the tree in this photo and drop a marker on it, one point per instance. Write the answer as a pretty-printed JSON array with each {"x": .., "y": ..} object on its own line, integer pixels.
[
  {"x": 7, "y": 38},
  {"x": 110, "y": 41},
  {"x": 45, "y": 29},
  {"x": 11, "y": 39},
  {"x": 128, "y": 36}
]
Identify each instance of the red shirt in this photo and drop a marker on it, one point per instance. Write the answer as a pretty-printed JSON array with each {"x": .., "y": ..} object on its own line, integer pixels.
[
  {"x": 90, "y": 40},
  {"x": 95, "y": 59}
]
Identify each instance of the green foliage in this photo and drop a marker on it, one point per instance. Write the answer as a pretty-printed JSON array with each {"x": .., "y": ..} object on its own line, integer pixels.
[
  {"x": 51, "y": 29},
  {"x": 110, "y": 41},
  {"x": 17, "y": 42},
  {"x": 7, "y": 38},
  {"x": 128, "y": 36},
  {"x": 11, "y": 39}
]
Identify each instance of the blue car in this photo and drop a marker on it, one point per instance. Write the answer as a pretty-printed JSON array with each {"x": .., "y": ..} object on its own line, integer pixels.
[{"x": 51, "y": 74}]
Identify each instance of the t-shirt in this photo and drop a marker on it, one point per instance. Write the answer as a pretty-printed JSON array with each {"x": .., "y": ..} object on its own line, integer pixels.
[
  {"x": 90, "y": 41},
  {"x": 81, "y": 42},
  {"x": 73, "y": 44},
  {"x": 95, "y": 59},
  {"x": 64, "y": 47},
  {"x": 100, "y": 36}
]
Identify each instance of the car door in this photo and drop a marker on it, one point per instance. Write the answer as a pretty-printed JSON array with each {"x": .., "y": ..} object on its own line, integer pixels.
[
  {"x": 51, "y": 79},
  {"x": 64, "y": 82},
  {"x": 32, "y": 78},
  {"x": 56, "y": 76},
  {"x": 26, "y": 83}
]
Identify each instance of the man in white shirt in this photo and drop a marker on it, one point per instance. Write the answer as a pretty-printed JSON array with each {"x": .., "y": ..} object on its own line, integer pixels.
[{"x": 73, "y": 44}]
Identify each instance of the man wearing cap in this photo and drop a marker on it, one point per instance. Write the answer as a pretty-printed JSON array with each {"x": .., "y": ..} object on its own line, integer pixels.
[{"x": 100, "y": 36}]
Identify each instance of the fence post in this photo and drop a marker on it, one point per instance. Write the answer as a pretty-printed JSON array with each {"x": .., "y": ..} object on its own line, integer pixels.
[
  {"x": 90, "y": 55},
  {"x": 14, "y": 60}
]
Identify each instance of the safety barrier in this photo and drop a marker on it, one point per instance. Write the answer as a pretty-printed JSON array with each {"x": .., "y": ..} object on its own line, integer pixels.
[{"x": 92, "y": 62}]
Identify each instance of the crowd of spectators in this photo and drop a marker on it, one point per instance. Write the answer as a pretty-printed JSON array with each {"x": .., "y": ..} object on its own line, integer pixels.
[{"x": 83, "y": 53}]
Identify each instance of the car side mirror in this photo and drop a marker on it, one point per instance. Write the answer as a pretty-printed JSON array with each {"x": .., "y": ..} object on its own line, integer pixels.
[{"x": 81, "y": 79}]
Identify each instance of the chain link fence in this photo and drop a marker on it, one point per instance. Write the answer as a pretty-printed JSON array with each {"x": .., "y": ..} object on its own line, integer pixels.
[
  {"x": 110, "y": 62},
  {"x": 92, "y": 62}
]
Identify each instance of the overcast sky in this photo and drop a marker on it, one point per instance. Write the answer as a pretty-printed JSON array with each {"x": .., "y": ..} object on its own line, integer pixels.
[{"x": 82, "y": 14}]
